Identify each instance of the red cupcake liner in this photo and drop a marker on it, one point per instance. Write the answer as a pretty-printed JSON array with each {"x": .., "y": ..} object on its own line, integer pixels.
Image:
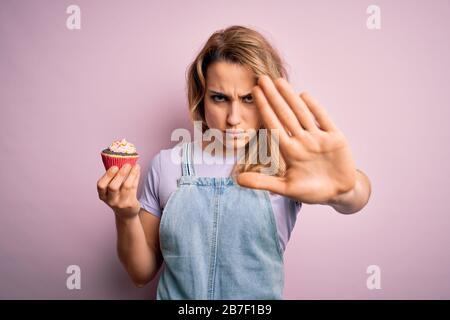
[{"x": 109, "y": 161}]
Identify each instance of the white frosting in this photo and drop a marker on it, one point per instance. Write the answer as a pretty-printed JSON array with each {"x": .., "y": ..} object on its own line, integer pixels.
[{"x": 122, "y": 146}]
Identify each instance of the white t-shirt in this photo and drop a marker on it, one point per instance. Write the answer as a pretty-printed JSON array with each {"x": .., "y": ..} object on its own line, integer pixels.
[{"x": 161, "y": 181}]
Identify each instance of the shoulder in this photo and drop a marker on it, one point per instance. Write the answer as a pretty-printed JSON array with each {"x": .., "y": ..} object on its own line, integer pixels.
[
  {"x": 161, "y": 179},
  {"x": 165, "y": 158},
  {"x": 171, "y": 155},
  {"x": 169, "y": 162}
]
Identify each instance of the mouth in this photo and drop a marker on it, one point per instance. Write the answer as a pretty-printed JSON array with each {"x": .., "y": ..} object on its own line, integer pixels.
[{"x": 235, "y": 134}]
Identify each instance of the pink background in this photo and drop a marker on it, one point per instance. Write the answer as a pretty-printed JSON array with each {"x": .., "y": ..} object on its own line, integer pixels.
[{"x": 65, "y": 95}]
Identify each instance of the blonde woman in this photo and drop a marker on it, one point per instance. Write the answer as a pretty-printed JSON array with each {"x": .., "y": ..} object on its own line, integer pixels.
[{"x": 221, "y": 227}]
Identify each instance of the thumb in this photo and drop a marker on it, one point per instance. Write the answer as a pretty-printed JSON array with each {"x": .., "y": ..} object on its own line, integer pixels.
[{"x": 261, "y": 181}]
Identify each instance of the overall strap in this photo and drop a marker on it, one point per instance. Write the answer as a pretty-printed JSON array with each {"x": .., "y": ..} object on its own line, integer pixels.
[{"x": 187, "y": 162}]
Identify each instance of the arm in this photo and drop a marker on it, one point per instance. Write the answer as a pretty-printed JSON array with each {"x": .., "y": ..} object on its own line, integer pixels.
[
  {"x": 138, "y": 246},
  {"x": 137, "y": 230},
  {"x": 355, "y": 199}
]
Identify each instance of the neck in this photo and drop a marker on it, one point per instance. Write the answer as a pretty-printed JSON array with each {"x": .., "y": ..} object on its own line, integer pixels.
[{"x": 226, "y": 152}]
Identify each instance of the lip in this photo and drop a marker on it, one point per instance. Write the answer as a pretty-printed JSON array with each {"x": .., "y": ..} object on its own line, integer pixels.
[{"x": 234, "y": 133}]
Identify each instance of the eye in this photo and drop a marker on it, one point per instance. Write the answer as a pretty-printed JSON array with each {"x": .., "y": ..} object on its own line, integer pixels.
[
  {"x": 217, "y": 98},
  {"x": 249, "y": 99}
]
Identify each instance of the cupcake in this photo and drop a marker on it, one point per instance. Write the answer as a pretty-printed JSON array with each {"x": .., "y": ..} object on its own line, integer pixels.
[{"x": 119, "y": 153}]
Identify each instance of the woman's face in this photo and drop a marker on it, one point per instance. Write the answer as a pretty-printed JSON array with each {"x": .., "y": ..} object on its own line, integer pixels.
[{"x": 229, "y": 104}]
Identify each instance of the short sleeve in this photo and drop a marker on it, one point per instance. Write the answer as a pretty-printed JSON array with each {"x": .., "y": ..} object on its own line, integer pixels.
[{"x": 149, "y": 198}]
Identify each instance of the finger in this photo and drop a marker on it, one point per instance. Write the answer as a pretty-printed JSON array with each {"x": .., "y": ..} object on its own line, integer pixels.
[
  {"x": 321, "y": 115},
  {"x": 116, "y": 183},
  {"x": 260, "y": 181},
  {"x": 136, "y": 179},
  {"x": 280, "y": 106},
  {"x": 103, "y": 182},
  {"x": 130, "y": 180},
  {"x": 268, "y": 115},
  {"x": 298, "y": 106}
]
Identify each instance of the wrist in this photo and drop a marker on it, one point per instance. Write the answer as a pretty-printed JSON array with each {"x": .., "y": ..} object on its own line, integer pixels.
[
  {"x": 127, "y": 215},
  {"x": 352, "y": 200},
  {"x": 343, "y": 198},
  {"x": 125, "y": 221}
]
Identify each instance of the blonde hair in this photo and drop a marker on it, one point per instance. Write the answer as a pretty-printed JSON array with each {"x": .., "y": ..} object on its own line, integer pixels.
[{"x": 246, "y": 47}]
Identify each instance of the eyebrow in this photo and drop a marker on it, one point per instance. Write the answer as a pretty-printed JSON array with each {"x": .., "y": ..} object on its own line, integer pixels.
[{"x": 223, "y": 94}]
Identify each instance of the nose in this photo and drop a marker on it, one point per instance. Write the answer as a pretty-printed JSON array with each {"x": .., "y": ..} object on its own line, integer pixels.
[{"x": 234, "y": 117}]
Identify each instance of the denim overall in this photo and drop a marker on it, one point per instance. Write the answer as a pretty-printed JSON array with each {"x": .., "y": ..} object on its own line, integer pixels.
[{"x": 219, "y": 240}]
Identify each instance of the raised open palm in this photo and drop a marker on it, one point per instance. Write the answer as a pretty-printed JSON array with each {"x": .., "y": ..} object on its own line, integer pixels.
[{"x": 319, "y": 163}]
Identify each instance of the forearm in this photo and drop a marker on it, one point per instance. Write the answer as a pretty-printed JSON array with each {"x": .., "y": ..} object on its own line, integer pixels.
[
  {"x": 139, "y": 260},
  {"x": 354, "y": 200}
]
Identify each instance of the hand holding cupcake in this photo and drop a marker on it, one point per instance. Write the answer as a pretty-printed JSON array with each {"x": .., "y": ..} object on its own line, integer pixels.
[
  {"x": 119, "y": 153},
  {"x": 118, "y": 185}
]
